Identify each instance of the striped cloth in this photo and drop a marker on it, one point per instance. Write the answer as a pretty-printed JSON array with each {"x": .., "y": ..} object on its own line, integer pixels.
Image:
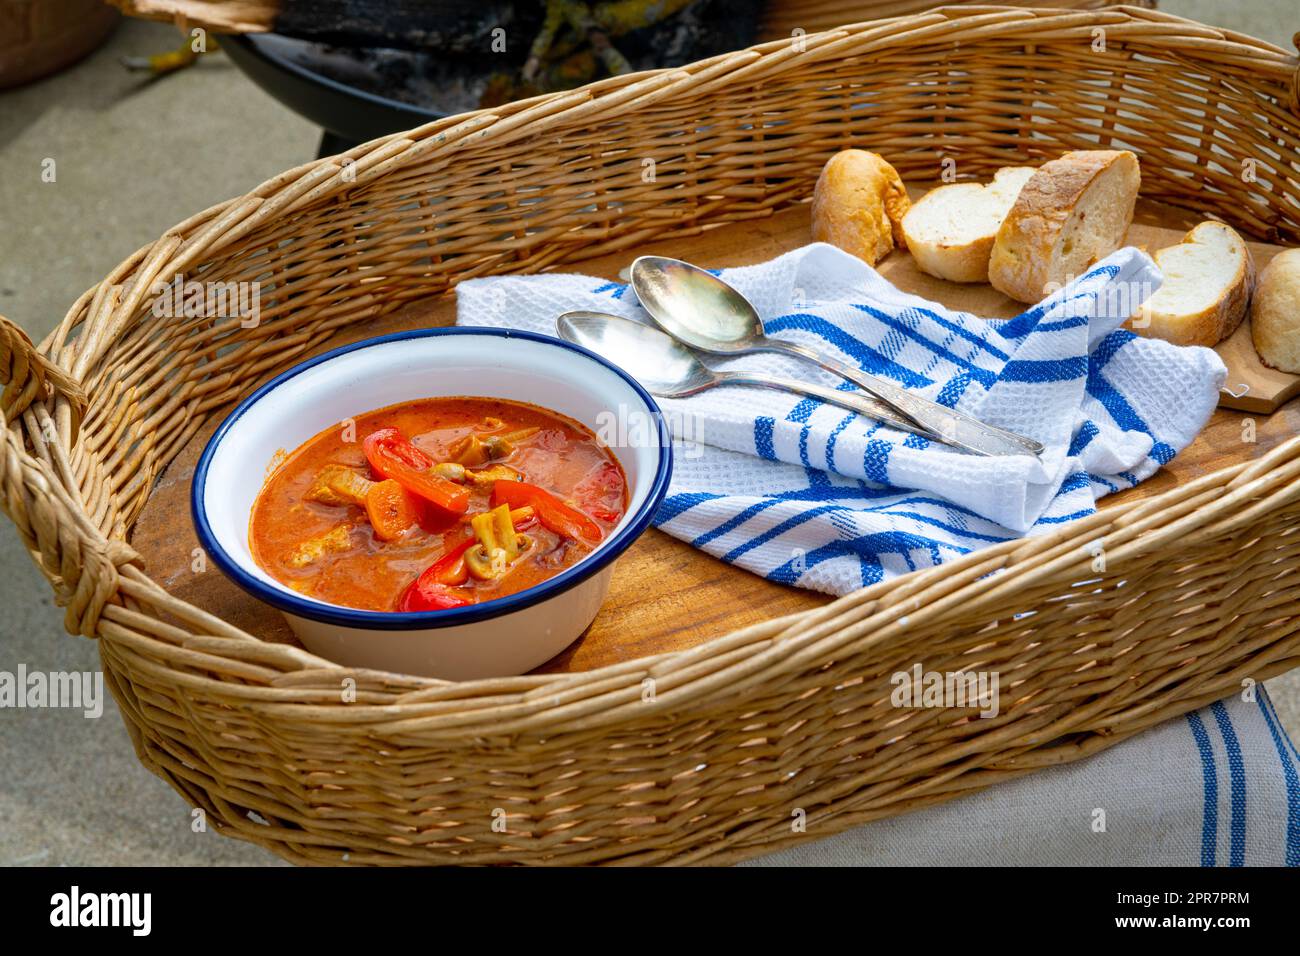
[
  {"x": 1219, "y": 786},
  {"x": 806, "y": 494}
]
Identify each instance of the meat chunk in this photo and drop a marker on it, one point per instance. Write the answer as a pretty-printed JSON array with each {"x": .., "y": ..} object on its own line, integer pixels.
[
  {"x": 339, "y": 485},
  {"x": 310, "y": 551}
]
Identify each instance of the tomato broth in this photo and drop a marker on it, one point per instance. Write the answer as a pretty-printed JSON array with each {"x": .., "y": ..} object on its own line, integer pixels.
[{"x": 436, "y": 503}]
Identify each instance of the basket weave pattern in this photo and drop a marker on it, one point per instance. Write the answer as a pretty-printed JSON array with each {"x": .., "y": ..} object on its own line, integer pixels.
[{"x": 705, "y": 755}]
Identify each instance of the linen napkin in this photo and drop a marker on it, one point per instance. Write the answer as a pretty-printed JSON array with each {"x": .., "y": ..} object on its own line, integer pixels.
[
  {"x": 809, "y": 494},
  {"x": 1219, "y": 786}
]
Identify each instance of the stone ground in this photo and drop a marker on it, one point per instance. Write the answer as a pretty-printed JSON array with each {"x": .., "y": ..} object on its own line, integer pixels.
[{"x": 134, "y": 157}]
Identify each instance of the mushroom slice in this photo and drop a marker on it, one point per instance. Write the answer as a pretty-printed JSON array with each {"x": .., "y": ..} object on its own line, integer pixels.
[
  {"x": 498, "y": 544},
  {"x": 494, "y": 473},
  {"x": 451, "y": 470},
  {"x": 470, "y": 450}
]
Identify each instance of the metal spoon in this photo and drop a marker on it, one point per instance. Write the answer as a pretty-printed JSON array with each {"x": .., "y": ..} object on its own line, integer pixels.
[
  {"x": 671, "y": 370},
  {"x": 699, "y": 309}
]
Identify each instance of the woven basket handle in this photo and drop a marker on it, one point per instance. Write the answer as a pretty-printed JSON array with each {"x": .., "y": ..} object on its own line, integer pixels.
[
  {"x": 1295, "y": 75},
  {"x": 28, "y": 376},
  {"x": 39, "y": 489}
]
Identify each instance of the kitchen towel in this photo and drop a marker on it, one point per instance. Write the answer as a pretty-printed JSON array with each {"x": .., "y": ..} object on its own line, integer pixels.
[
  {"x": 806, "y": 493},
  {"x": 1219, "y": 786}
]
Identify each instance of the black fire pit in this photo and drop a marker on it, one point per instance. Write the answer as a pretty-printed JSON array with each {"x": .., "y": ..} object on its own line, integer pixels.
[
  {"x": 359, "y": 93},
  {"x": 347, "y": 114}
]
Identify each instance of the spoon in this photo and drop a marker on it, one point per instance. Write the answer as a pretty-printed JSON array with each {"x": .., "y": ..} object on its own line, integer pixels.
[
  {"x": 670, "y": 370},
  {"x": 699, "y": 309}
]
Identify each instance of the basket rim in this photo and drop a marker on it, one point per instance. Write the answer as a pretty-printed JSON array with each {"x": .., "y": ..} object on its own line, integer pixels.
[
  {"x": 652, "y": 84},
  {"x": 451, "y": 617},
  {"x": 718, "y": 661}
]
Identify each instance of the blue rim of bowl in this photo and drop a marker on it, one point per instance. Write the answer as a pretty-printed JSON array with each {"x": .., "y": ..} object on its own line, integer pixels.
[{"x": 452, "y": 617}]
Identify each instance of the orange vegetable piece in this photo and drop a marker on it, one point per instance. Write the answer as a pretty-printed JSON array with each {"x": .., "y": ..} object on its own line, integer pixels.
[
  {"x": 550, "y": 510},
  {"x": 393, "y": 457},
  {"x": 391, "y": 509}
]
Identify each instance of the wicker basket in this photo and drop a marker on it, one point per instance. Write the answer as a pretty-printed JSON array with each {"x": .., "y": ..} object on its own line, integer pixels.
[{"x": 752, "y": 726}]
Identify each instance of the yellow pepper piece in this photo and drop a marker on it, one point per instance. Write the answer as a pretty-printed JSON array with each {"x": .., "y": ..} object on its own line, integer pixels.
[{"x": 522, "y": 435}]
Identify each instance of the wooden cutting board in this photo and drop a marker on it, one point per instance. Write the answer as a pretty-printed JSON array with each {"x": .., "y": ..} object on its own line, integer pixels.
[
  {"x": 666, "y": 595},
  {"x": 1251, "y": 386}
]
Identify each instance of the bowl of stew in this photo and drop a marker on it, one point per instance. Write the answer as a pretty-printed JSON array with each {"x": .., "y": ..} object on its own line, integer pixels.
[{"x": 444, "y": 502}]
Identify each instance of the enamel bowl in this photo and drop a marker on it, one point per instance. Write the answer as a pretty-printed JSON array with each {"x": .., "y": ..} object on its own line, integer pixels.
[{"x": 507, "y": 636}]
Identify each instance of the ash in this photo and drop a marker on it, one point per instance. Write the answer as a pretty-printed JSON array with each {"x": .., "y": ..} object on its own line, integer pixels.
[{"x": 450, "y": 82}]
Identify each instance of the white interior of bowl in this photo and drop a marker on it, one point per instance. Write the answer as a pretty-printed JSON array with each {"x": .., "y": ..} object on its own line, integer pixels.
[{"x": 548, "y": 374}]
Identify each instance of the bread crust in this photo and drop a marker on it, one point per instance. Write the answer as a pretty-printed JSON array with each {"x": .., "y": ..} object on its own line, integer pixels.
[
  {"x": 1213, "y": 324},
  {"x": 1025, "y": 261},
  {"x": 1275, "y": 313},
  {"x": 859, "y": 204}
]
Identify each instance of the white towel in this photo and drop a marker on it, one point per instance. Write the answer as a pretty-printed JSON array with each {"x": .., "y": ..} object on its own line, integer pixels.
[
  {"x": 806, "y": 493},
  {"x": 1219, "y": 786}
]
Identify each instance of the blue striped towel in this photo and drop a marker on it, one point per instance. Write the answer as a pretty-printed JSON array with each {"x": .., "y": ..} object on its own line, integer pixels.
[
  {"x": 805, "y": 493},
  {"x": 1219, "y": 786}
]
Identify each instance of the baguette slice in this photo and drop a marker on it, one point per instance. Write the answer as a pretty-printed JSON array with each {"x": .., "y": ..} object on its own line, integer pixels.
[
  {"x": 1208, "y": 278},
  {"x": 859, "y": 204},
  {"x": 1275, "y": 313},
  {"x": 1072, "y": 212},
  {"x": 950, "y": 230}
]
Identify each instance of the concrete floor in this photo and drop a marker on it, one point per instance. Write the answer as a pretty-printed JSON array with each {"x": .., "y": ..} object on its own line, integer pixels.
[{"x": 132, "y": 158}]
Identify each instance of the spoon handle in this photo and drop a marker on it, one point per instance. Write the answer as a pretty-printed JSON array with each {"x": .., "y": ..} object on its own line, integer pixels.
[
  {"x": 937, "y": 421},
  {"x": 852, "y": 401}
]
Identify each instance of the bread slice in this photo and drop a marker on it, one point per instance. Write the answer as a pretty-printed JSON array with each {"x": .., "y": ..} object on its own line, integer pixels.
[
  {"x": 1208, "y": 279},
  {"x": 1072, "y": 212},
  {"x": 1275, "y": 313},
  {"x": 859, "y": 204},
  {"x": 950, "y": 230}
]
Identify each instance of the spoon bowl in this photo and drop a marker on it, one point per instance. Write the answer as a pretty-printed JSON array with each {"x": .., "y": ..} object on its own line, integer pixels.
[
  {"x": 695, "y": 306},
  {"x": 670, "y": 370},
  {"x": 664, "y": 366}
]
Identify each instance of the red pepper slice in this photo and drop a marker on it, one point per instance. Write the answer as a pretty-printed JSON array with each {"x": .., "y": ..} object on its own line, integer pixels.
[
  {"x": 550, "y": 510},
  {"x": 431, "y": 596},
  {"x": 436, "y": 587},
  {"x": 450, "y": 569},
  {"x": 399, "y": 447},
  {"x": 392, "y": 456},
  {"x": 601, "y": 493}
]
